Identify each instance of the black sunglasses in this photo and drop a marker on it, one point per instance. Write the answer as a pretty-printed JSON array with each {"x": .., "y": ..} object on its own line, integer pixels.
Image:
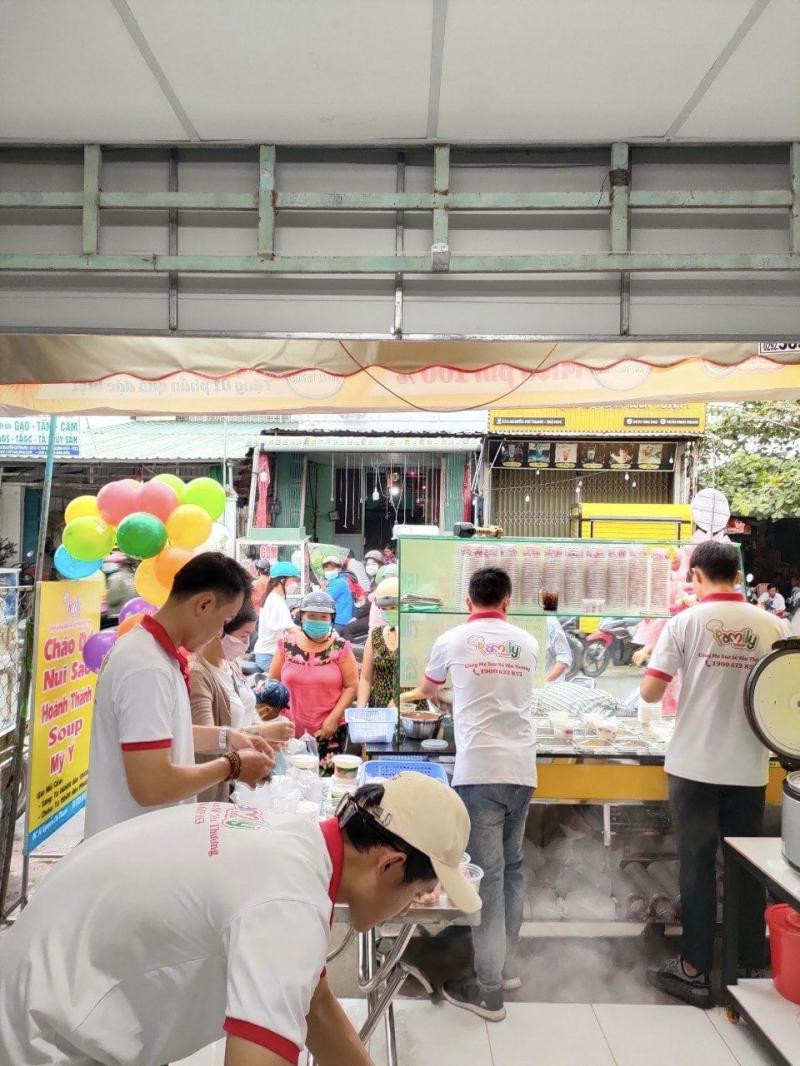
[{"x": 350, "y": 808}]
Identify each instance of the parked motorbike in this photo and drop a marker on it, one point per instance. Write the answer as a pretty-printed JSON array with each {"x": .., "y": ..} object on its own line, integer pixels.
[
  {"x": 577, "y": 645},
  {"x": 611, "y": 644}
]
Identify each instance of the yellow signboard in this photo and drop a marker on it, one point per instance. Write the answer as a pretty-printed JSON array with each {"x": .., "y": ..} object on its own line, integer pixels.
[
  {"x": 661, "y": 420},
  {"x": 68, "y": 613}
]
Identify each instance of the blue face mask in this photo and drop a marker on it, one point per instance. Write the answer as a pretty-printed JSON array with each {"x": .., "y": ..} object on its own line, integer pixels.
[{"x": 315, "y": 630}]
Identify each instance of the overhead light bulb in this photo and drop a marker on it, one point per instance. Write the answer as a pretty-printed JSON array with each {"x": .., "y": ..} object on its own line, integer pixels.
[
  {"x": 633, "y": 484},
  {"x": 627, "y": 476},
  {"x": 527, "y": 499},
  {"x": 375, "y": 495},
  {"x": 395, "y": 490},
  {"x": 580, "y": 483},
  {"x": 538, "y": 472}
]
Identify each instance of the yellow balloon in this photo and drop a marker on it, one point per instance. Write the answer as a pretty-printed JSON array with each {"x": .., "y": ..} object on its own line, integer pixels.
[
  {"x": 188, "y": 526},
  {"x": 81, "y": 507},
  {"x": 147, "y": 584}
]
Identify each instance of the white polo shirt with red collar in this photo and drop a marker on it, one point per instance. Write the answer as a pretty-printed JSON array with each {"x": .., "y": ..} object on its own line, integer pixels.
[
  {"x": 152, "y": 941},
  {"x": 714, "y": 646},
  {"x": 491, "y": 664},
  {"x": 141, "y": 702}
]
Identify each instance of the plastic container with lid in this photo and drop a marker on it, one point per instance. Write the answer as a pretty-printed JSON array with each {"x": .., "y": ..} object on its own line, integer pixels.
[
  {"x": 346, "y": 767},
  {"x": 304, "y": 761},
  {"x": 784, "y": 946}
]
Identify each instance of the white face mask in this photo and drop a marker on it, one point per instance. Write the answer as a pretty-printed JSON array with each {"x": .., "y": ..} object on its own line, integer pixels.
[
  {"x": 372, "y": 569},
  {"x": 233, "y": 647}
]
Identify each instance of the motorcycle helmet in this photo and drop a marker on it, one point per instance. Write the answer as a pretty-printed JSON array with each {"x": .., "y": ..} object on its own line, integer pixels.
[
  {"x": 318, "y": 601},
  {"x": 387, "y": 570},
  {"x": 283, "y": 570},
  {"x": 375, "y": 556},
  {"x": 386, "y": 593},
  {"x": 263, "y": 566}
]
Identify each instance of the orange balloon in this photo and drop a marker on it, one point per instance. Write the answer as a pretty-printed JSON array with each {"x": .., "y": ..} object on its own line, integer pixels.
[
  {"x": 147, "y": 584},
  {"x": 168, "y": 562},
  {"x": 129, "y": 623}
]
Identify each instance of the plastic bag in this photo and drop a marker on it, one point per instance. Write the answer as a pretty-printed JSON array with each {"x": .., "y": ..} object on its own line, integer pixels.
[{"x": 310, "y": 743}]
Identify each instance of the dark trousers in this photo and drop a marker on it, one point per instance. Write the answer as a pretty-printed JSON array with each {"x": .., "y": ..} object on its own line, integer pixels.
[{"x": 701, "y": 815}]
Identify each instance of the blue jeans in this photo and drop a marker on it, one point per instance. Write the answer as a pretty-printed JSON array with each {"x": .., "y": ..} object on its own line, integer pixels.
[
  {"x": 263, "y": 661},
  {"x": 497, "y": 814}
]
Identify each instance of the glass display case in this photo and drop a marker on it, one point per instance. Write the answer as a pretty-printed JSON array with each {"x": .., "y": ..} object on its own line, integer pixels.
[
  {"x": 550, "y": 579},
  {"x": 249, "y": 552}
]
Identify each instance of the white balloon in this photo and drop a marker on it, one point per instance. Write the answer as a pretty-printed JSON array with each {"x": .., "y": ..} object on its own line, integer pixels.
[{"x": 218, "y": 540}]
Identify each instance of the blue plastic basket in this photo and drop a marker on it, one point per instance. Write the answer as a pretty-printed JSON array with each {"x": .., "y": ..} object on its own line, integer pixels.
[
  {"x": 385, "y": 768},
  {"x": 371, "y": 724}
]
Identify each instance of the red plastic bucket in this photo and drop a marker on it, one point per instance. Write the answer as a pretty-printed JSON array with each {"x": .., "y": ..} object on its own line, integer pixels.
[{"x": 784, "y": 945}]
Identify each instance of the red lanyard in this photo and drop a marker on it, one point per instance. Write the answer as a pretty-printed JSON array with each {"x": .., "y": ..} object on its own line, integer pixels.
[{"x": 162, "y": 637}]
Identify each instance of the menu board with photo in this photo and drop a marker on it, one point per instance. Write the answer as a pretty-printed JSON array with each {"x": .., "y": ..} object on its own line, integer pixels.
[
  {"x": 651, "y": 456},
  {"x": 540, "y": 453},
  {"x": 566, "y": 455},
  {"x": 621, "y": 456},
  {"x": 585, "y": 455}
]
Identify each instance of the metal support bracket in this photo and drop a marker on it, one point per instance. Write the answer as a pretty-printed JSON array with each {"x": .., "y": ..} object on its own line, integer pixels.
[
  {"x": 90, "y": 224},
  {"x": 620, "y": 180},
  {"x": 440, "y": 250},
  {"x": 266, "y": 201}
]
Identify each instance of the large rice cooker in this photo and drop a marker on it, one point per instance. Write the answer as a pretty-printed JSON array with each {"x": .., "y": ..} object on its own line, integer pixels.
[{"x": 772, "y": 704}]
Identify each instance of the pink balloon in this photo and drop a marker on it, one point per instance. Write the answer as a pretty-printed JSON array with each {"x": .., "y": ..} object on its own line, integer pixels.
[
  {"x": 136, "y": 606},
  {"x": 157, "y": 498},
  {"x": 117, "y": 500}
]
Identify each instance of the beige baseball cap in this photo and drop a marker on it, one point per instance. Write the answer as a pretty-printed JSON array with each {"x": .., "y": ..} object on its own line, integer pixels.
[{"x": 431, "y": 817}]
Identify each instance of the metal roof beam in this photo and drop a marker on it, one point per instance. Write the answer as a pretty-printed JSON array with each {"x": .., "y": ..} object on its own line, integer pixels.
[{"x": 592, "y": 263}]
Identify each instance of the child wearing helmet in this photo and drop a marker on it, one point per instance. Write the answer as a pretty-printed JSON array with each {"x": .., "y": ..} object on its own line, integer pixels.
[{"x": 274, "y": 617}]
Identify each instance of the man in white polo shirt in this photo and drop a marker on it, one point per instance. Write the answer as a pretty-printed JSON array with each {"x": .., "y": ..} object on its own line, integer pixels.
[
  {"x": 184, "y": 926},
  {"x": 143, "y": 741},
  {"x": 491, "y": 665},
  {"x": 717, "y": 768}
]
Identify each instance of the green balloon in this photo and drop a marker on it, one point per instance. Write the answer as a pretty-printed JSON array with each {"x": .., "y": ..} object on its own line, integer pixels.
[
  {"x": 88, "y": 539},
  {"x": 141, "y": 535},
  {"x": 207, "y": 493},
  {"x": 178, "y": 485}
]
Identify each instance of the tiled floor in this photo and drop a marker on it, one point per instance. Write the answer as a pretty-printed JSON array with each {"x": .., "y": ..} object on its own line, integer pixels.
[{"x": 557, "y": 1034}]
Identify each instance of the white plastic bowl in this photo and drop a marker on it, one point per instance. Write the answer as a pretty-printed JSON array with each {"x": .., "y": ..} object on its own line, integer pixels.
[{"x": 304, "y": 761}]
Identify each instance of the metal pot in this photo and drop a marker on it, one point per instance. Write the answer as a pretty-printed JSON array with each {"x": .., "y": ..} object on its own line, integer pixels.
[{"x": 415, "y": 729}]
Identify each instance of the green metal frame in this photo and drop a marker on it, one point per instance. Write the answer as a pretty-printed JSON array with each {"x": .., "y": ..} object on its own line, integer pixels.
[{"x": 617, "y": 198}]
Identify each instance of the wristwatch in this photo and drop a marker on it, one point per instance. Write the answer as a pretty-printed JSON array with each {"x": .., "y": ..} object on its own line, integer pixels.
[{"x": 223, "y": 740}]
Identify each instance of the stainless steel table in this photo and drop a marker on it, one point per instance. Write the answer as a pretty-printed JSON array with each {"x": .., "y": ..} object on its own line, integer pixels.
[{"x": 381, "y": 975}]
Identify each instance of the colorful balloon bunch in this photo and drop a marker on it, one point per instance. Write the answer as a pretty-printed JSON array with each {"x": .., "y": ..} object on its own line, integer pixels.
[{"x": 161, "y": 522}]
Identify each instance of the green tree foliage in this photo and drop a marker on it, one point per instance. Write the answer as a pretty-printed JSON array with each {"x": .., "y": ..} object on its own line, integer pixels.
[{"x": 751, "y": 452}]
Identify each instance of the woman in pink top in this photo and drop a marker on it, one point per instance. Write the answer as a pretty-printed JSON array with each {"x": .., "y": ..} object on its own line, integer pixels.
[{"x": 319, "y": 669}]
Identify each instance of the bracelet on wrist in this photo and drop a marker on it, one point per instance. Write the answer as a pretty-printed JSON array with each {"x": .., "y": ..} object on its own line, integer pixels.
[{"x": 234, "y": 761}]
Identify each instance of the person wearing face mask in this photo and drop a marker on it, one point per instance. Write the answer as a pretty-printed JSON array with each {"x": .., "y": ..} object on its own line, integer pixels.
[
  {"x": 373, "y": 561},
  {"x": 378, "y": 685},
  {"x": 338, "y": 588},
  {"x": 220, "y": 695},
  {"x": 319, "y": 669},
  {"x": 275, "y": 617}
]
